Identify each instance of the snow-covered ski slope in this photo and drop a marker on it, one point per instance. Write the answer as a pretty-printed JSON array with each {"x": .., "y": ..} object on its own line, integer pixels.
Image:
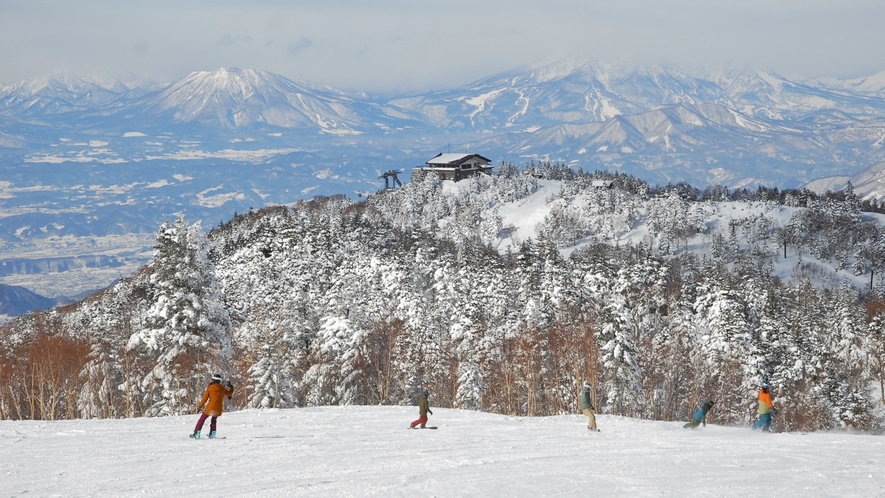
[{"x": 369, "y": 451}]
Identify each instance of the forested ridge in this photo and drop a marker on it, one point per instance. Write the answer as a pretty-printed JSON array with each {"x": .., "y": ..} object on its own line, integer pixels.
[{"x": 502, "y": 293}]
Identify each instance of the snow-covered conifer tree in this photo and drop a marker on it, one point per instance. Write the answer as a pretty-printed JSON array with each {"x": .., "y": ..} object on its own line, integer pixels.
[
  {"x": 845, "y": 366},
  {"x": 186, "y": 324}
]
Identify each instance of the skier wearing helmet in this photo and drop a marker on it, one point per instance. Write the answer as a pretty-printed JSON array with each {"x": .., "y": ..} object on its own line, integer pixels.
[
  {"x": 766, "y": 407},
  {"x": 213, "y": 399},
  {"x": 423, "y": 410},
  {"x": 587, "y": 407}
]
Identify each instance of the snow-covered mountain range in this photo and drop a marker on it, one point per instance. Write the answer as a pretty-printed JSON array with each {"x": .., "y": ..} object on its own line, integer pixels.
[
  {"x": 86, "y": 159},
  {"x": 735, "y": 126}
]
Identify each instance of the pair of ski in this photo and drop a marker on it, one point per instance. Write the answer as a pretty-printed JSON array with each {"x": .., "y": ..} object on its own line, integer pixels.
[{"x": 429, "y": 427}]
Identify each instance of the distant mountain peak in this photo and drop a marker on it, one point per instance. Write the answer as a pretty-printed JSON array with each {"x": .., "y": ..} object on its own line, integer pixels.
[
  {"x": 227, "y": 76},
  {"x": 874, "y": 83},
  {"x": 232, "y": 98},
  {"x": 53, "y": 94},
  {"x": 230, "y": 77},
  {"x": 15, "y": 300}
]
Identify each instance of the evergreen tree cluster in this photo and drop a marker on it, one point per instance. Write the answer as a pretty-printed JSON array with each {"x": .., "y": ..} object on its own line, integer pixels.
[{"x": 661, "y": 301}]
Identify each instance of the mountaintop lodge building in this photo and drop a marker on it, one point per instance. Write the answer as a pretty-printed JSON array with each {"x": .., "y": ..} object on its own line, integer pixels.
[{"x": 454, "y": 166}]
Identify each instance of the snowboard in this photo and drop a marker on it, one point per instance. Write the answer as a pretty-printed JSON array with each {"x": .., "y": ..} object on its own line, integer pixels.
[{"x": 207, "y": 437}]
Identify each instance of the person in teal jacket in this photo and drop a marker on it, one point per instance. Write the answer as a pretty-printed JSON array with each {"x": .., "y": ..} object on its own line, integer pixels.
[
  {"x": 700, "y": 416},
  {"x": 587, "y": 407}
]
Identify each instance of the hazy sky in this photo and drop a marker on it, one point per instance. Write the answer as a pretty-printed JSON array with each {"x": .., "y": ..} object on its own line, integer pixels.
[{"x": 398, "y": 45}]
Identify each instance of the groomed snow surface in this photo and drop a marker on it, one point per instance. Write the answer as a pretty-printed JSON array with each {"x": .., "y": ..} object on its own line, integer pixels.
[{"x": 369, "y": 451}]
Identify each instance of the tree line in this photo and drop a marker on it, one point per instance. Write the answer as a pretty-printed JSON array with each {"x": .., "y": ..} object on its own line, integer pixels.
[{"x": 332, "y": 301}]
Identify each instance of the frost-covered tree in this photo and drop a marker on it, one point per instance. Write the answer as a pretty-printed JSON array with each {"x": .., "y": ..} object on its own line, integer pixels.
[
  {"x": 186, "y": 324},
  {"x": 845, "y": 382},
  {"x": 275, "y": 354},
  {"x": 875, "y": 350}
]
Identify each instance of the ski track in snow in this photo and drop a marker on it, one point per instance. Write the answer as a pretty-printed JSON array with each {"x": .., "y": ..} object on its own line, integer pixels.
[{"x": 368, "y": 451}]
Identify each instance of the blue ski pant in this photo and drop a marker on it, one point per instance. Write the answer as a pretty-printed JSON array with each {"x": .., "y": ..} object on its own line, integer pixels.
[{"x": 764, "y": 422}]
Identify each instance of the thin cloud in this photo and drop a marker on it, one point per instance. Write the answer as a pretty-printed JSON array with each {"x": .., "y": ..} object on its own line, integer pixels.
[
  {"x": 141, "y": 49},
  {"x": 229, "y": 40},
  {"x": 398, "y": 43},
  {"x": 299, "y": 46}
]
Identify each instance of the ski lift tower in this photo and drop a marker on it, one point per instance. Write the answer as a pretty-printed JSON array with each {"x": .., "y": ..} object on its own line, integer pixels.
[{"x": 390, "y": 179}]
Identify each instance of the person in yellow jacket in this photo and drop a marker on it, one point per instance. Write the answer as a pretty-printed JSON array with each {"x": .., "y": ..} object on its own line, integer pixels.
[
  {"x": 423, "y": 410},
  {"x": 766, "y": 407},
  {"x": 213, "y": 398}
]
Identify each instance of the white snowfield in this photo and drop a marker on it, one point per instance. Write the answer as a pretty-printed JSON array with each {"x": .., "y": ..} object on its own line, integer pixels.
[{"x": 369, "y": 451}]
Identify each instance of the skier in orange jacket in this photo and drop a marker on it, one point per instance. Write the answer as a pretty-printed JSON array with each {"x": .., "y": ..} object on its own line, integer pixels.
[
  {"x": 765, "y": 408},
  {"x": 213, "y": 398}
]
